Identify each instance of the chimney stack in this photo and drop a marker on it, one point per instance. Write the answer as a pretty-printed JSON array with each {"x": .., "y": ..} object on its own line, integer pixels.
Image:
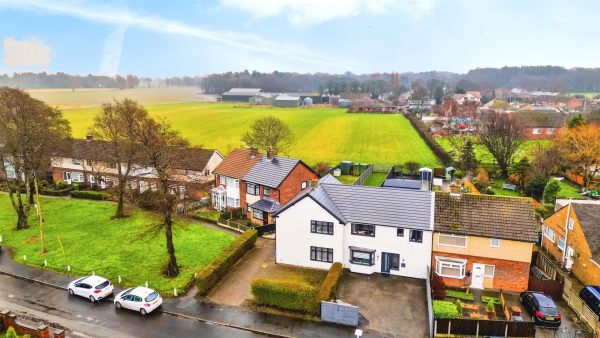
[
  {"x": 253, "y": 152},
  {"x": 270, "y": 153},
  {"x": 89, "y": 138}
]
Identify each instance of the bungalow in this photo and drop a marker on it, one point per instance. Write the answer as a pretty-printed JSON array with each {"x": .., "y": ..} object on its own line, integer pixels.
[
  {"x": 572, "y": 237},
  {"x": 259, "y": 184},
  {"x": 368, "y": 229},
  {"x": 240, "y": 94},
  {"x": 541, "y": 124},
  {"x": 88, "y": 161},
  {"x": 483, "y": 241}
]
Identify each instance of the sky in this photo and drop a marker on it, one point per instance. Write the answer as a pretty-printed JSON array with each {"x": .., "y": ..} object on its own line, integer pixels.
[{"x": 174, "y": 38}]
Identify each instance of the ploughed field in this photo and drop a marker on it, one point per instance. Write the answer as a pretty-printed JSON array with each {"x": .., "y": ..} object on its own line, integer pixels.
[{"x": 323, "y": 134}]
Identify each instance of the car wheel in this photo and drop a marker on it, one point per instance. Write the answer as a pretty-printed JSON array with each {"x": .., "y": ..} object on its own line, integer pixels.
[
  {"x": 118, "y": 305},
  {"x": 143, "y": 312},
  {"x": 71, "y": 292},
  {"x": 92, "y": 299}
]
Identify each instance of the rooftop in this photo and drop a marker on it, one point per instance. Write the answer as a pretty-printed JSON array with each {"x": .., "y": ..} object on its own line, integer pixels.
[
  {"x": 237, "y": 163},
  {"x": 589, "y": 218}
]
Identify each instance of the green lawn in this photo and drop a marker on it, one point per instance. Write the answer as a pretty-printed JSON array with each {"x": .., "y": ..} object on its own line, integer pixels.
[
  {"x": 322, "y": 134},
  {"x": 568, "y": 191},
  {"x": 497, "y": 188},
  {"x": 347, "y": 179},
  {"x": 94, "y": 242},
  {"x": 375, "y": 180},
  {"x": 484, "y": 156}
]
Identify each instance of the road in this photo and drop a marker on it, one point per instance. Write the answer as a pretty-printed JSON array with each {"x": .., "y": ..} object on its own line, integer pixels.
[{"x": 86, "y": 319}]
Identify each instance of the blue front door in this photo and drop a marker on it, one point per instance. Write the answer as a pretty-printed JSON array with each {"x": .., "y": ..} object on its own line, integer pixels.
[{"x": 386, "y": 263}]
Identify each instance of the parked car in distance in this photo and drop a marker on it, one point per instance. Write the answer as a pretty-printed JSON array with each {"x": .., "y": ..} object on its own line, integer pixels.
[
  {"x": 141, "y": 299},
  {"x": 591, "y": 296},
  {"x": 93, "y": 287},
  {"x": 541, "y": 308}
]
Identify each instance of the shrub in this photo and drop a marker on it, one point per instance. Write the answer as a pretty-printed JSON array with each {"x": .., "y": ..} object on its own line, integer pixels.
[
  {"x": 219, "y": 267},
  {"x": 490, "y": 305},
  {"x": 149, "y": 200},
  {"x": 444, "y": 309},
  {"x": 90, "y": 195},
  {"x": 535, "y": 187},
  {"x": 289, "y": 295},
  {"x": 438, "y": 287},
  {"x": 331, "y": 282},
  {"x": 550, "y": 191}
]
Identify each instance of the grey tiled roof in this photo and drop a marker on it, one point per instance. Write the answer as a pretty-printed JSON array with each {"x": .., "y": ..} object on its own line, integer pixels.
[
  {"x": 501, "y": 217},
  {"x": 270, "y": 172},
  {"x": 329, "y": 179},
  {"x": 379, "y": 206},
  {"x": 589, "y": 218},
  {"x": 267, "y": 205}
]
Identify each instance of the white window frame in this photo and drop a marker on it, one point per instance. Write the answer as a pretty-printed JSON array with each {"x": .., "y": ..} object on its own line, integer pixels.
[
  {"x": 453, "y": 263},
  {"x": 452, "y": 236},
  {"x": 493, "y": 270},
  {"x": 536, "y": 131},
  {"x": 562, "y": 240},
  {"x": 497, "y": 245},
  {"x": 549, "y": 231},
  {"x": 550, "y": 131},
  {"x": 571, "y": 223},
  {"x": 77, "y": 177},
  {"x": 303, "y": 185}
]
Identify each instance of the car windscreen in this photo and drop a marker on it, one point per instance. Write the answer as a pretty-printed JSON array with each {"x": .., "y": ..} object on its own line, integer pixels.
[
  {"x": 549, "y": 311},
  {"x": 151, "y": 297},
  {"x": 103, "y": 285}
]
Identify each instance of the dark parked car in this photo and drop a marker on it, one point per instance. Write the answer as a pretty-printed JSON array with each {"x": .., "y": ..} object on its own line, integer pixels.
[
  {"x": 591, "y": 296},
  {"x": 541, "y": 308}
]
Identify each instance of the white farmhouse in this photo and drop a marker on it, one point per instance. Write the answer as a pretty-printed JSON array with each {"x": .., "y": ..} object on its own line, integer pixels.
[{"x": 367, "y": 229}]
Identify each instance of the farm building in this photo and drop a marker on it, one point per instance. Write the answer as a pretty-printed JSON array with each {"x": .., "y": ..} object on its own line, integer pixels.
[
  {"x": 240, "y": 94},
  {"x": 287, "y": 101},
  {"x": 315, "y": 97},
  {"x": 307, "y": 101},
  {"x": 262, "y": 98}
]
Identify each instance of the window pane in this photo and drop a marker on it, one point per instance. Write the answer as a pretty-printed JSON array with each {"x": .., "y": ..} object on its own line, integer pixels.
[
  {"x": 445, "y": 239},
  {"x": 416, "y": 236},
  {"x": 363, "y": 230},
  {"x": 399, "y": 232},
  {"x": 395, "y": 262},
  {"x": 450, "y": 271},
  {"x": 489, "y": 271}
]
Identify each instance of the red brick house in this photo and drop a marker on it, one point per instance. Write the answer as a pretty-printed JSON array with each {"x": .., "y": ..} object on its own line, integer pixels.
[
  {"x": 483, "y": 241},
  {"x": 540, "y": 125},
  {"x": 259, "y": 183}
]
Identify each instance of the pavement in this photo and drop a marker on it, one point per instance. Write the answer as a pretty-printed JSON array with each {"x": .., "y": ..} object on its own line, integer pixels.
[
  {"x": 393, "y": 305},
  {"x": 42, "y": 294}
]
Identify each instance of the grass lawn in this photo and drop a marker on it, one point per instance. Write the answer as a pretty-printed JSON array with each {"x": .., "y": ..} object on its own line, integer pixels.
[
  {"x": 484, "y": 156},
  {"x": 347, "y": 179},
  {"x": 209, "y": 214},
  {"x": 375, "y": 180},
  {"x": 587, "y": 95},
  {"x": 459, "y": 294},
  {"x": 568, "y": 191},
  {"x": 94, "y": 242},
  {"x": 497, "y": 188},
  {"x": 65, "y": 98},
  {"x": 322, "y": 134}
]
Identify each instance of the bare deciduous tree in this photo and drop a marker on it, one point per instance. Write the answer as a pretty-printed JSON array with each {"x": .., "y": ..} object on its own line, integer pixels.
[
  {"x": 29, "y": 130},
  {"x": 502, "y": 135},
  {"x": 116, "y": 124},
  {"x": 157, "y": 140},
  {"x": 269, "y": 133}
]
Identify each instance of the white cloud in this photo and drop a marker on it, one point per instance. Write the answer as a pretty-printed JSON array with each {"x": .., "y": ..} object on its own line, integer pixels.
[
  {"x": 30, "y": 52},
  {"x": 312, "y": 12},
  {"x": 111, "y": 53},
  {"x": 102, "y": 13}
]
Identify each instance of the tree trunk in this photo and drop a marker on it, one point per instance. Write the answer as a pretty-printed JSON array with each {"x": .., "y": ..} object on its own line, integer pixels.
[
  {"x": 120, "y": 201},
  {"x": 21, "y": 220},
  {"x": 171, "y": 269}
]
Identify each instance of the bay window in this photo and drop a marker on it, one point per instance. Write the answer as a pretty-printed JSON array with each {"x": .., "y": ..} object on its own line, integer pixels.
[
  {"x": 362, "y": 256},
  {"x": 450, "y": 267}
]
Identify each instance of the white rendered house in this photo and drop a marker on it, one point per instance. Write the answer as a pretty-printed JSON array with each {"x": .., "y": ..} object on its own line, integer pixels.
[{"x": 367, "y": 229}]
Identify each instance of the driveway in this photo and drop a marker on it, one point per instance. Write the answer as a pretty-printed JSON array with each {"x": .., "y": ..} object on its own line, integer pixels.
[
  {"x": 570, "y": 326},
  {"x": 234, "y": 288},
  {"x": 395, "y": 306}
]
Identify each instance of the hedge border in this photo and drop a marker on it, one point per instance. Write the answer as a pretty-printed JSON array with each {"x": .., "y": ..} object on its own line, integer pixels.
[
  {"x": 331, "y": 282},
  {"x": 285, "y": 294},
  {"x": 210, "y": 275},
  {"x": 423, "y": 131},
  {"x": 89, "y": 195}
]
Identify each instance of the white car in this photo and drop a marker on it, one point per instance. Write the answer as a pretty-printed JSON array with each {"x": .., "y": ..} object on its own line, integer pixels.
[
  {"x": 139, "y": 299},
  {"x": 93, "y": 288}
]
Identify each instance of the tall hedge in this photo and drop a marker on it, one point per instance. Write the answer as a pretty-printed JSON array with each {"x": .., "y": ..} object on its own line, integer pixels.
[
  {"x": 331, "y": 282},
  {"x": 289, "y": 295},
  {"x": 219, "y": 267},
  {"x": 429, "y": 140}
]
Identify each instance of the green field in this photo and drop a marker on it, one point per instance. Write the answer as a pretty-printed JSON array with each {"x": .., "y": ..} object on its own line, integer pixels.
[
  {"x": 322, "y": 134},
  {"x": 587, "y": 95},
  {"x": 66, "y": 98},
  {"x": 484, "y": 156},
  {"x": 92, "y": 241}
]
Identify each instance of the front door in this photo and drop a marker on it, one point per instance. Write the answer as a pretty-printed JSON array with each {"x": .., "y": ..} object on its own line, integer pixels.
[
  {"x": 569, "y": 258},
  {"x": 265, "y": 218},
  {"x": 386, "y": 263},
  {"x": 477, "y": 276},
  {"x": 67, "y": 177}
]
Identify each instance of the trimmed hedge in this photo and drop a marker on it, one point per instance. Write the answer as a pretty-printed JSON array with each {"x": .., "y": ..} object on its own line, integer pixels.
[
  {"x": 287, "y": 295},
  {"x": 219, "y": 267},
  {"x": 89, "y": 195},
  {"x": 331, "y": 282},
  {"x": 444, "y": 309},
  {"x": 429, "y": 140}
]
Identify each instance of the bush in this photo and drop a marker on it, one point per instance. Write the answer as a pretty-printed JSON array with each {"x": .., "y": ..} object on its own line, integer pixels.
[
  {"x": 535, "y": 187},
  {"x": 550, "y": 191},
  {"x": 89, "y": 195},
  {"x": 149, "y": 200},
  {"x": 219, "y": 267},
  {"x": 287, "y": 295},
  {"x": 444, "y": 309},
  {"x": 331, "y": 282}
]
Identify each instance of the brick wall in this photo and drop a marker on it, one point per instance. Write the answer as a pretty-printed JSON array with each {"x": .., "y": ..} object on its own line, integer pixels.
[
  {"x": 543, "y": 133},
  {"x": 509, "y": 276},
  {"x": 291, "y": 186}
]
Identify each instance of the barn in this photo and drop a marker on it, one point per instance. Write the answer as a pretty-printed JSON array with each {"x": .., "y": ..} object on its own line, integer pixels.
[
  {"x": 240, "y": 94},
  {"x": 287, "y": 101}
]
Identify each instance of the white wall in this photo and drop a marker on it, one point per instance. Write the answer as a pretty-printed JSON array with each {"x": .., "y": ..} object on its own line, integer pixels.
[{"x": 294, "y": 240}]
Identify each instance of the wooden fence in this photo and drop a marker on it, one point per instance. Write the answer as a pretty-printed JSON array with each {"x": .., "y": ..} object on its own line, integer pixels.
[
  {"x": 477, "y": 328},
  {"x": 365, "y": 174},
  {"x": 552, "y": 287},
  {"x": 583, "y": 311}
]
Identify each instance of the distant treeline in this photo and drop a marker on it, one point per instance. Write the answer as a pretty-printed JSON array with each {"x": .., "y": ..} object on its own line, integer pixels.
[{"x": 546, "y": 78}]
